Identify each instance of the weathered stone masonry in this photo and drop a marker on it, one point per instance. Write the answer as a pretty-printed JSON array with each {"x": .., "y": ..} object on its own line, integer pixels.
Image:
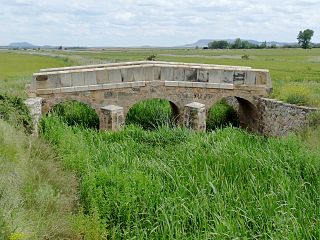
[
  {"x": 112, "y": 89},
  {"x": 279, "y": 119}
]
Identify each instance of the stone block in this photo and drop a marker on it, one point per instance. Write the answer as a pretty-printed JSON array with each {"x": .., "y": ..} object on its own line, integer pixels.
[
  {"x": 178, "y": 74},
  {"x": 66, "y": 80},
  {"x": 114, "y": 75},
  {"x": 90, "y": 78},
  {"x": 239, "y": 77},
  {"x": 127, "y": 75},
  {"x": 138, "y": 74},
  {"x": 166, "y": 73},
  {"x": 171, "y": 83},
  {"x": 125, "y": 85},
  {"x": 227, "y": 76},
  {"x": 202, "y": 75},
  {"x": 56, "y": 90},
  {"x": 95, "y": 87},
  {"x": 261, "y": 78},
  {"x": 148, "y": 74},
  {"x": 102, "y": 76},
  {"x": 251, "y": 78},
  {"x": 138, "y": 84},
  {"x": 191, "y": 75},
  {"x": 213, "y": 85},
  {"x": 226, "y": 86},
  {"x": 215, "y": 76},
  {"x": 155, "y": 83},
  {"x": 156, "y": 73},
  {"x": 111, "y": 118},
  {"x": 67, "y": 90},
  {"x": 188, "y": 84},
  {"x": 42, "y": 84},
  {"x": 182, "y": 84},
  {"x": 54, "y": 80},
  {"x": 35, "y": 106},
  {"x": 194, "y": 116},
  {"x": 77, "y": 79},
  {"x": 111, "y": 85},
  {"x": 44, "y": 91},
  {"x": 81, "y": 88},
  {"x": 199, "y": 84}
]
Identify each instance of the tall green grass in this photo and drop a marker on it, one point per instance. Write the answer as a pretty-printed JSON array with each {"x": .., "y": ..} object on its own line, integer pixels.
[
  {"x": 222, "y": 115},
  {"x": 177, "y": 184},
  {"x": 76, "y": 113},
  {"x": 151, "y": 114},
  {"x": 37, "y": 197}
]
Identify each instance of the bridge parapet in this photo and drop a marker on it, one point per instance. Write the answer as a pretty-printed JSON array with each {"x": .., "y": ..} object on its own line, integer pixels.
[{"x": 138, "y": 74}]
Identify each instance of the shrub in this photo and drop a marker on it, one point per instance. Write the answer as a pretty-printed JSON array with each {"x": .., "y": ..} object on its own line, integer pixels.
[
  {"x": 245, "y": 57},
  {"x": 13, "y": 110},
  {"x": 151, "y": 57},
  {"x": 220, "y": 115},
  {"x": 298, "y": 99}
]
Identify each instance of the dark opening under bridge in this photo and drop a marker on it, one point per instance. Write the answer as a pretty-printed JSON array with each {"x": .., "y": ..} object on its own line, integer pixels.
[{"x": 112, "y": 89}]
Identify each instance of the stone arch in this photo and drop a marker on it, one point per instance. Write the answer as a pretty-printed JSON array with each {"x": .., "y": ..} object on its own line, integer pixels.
[
  {"x": 49, "y": 104},
  {"x": 247, "y": 111},
  {"x": 248, "y": 114},
  {"x": 175, "y": 109},
  {"x": 88, "y": 121}
]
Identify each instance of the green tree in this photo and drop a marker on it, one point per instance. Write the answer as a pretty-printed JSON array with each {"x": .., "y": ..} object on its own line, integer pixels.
[
  {"x": 222, "y": 44},
  {"x": 237, "y": 43},
  {"x": 304, "y": 38}
]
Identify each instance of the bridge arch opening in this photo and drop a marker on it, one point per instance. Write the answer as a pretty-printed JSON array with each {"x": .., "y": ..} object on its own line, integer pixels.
[
  {"x": 248, "y": 115},
  {"x": 222, "y": 114},
  {"x": 153, "y": 113},
  {"x": 235, "y": 111},
  {"x": 75, "y": 113}
]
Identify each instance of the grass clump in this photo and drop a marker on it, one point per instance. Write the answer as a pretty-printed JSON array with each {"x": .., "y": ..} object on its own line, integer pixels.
[
  {"x": 151, "y": 114},
  {"x": 76, "y": 113},
  {"x": 221, "y": 115},
  {"x": 297, "y": 99}
]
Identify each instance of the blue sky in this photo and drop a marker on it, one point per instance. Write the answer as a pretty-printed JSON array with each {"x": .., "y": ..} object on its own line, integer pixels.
[{"x": 157, "y": 22}]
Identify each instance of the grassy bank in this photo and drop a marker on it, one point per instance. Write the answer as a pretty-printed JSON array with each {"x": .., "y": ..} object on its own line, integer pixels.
[
  {"x": 37, "y": 197},
  {"x": 177, "y": 184}
]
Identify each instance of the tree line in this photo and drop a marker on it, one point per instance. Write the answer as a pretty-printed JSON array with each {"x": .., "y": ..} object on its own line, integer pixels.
[{"x": 304, "y": 41}]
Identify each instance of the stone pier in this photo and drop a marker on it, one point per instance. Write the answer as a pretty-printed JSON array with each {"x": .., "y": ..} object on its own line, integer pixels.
[
  {"x": 194, "y": 116},
  {"x": 111, "y": 118}
]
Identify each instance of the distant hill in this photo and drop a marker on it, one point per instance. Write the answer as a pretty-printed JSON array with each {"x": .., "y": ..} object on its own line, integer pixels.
[
  {"x": 204, "y": 42},
  {"x": 21, "y": 45}
]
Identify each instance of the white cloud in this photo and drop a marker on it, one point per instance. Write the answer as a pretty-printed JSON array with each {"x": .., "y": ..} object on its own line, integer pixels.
[{"x": 156, "y": 22}]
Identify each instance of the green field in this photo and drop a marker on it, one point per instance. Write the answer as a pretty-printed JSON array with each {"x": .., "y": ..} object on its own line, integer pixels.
[
  {"x": 75, "y": 182},
  {"x": 16, "y": 70}
]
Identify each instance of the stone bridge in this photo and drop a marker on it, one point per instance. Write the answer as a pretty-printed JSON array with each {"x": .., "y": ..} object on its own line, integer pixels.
[{"x": 112, "y": 89}]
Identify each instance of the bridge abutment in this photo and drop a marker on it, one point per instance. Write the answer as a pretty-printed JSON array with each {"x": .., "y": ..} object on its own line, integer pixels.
[
  {"x": 194, "y": 116},
  {"x": 111, "y": 118}
]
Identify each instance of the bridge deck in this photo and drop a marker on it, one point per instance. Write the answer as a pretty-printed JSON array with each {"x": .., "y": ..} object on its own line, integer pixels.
[{"x": 138, "y": 74}]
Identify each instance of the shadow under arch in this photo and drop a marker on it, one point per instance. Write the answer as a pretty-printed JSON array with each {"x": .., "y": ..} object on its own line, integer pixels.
[
  {"x": 74, "y": 112},
  {"x": 248, "y": 115},
  {"x": 153, "y": 112}
]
